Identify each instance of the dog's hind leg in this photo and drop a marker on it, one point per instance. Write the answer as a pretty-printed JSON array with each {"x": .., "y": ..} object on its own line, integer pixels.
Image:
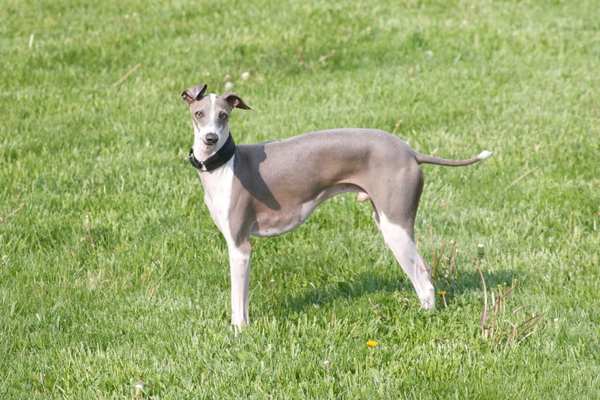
[
  {"x": 396, "y": 206},
  {"x": 405, "y": 251}
]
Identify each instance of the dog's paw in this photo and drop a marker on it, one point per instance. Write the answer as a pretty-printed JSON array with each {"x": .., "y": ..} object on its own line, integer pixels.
[
  {"x": 428, "y": 301},
  {"x": 238, "y": 324},
  {"x": 428, "y": 304}
]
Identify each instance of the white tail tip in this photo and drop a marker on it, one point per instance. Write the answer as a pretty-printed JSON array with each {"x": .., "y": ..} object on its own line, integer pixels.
[{"x": 484, "y": 155}]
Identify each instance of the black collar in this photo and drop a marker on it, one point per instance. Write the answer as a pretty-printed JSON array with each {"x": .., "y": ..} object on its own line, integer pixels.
[{"x": 222, "y": 155}]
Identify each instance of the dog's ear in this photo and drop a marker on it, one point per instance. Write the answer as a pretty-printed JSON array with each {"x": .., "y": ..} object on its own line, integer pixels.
[
  {"x": 235, "y": 101},
  {"x": 194, "y": 93}
]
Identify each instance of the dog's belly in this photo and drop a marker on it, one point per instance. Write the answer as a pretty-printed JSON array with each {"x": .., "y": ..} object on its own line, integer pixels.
[
  {"x": 276, "y": 222},
  {"x": 272, "y": 223}
]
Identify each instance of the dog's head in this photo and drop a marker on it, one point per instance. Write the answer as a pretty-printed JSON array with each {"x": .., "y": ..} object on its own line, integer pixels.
[{"x": 210, "y": 117}]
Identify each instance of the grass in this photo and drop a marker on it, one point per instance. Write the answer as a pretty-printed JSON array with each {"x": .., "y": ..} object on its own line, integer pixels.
[{"x": 113, "y": 279}]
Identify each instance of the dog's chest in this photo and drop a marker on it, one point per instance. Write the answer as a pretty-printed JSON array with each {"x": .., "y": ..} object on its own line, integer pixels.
[{"x": 218, "y": 185}]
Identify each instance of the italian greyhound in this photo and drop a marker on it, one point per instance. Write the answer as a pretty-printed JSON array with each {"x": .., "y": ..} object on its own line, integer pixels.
[{"x": 270, "y": 188}]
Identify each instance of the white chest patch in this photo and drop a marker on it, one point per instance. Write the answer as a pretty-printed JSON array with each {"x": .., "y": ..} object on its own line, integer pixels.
[{"x": 218, "y": 185}]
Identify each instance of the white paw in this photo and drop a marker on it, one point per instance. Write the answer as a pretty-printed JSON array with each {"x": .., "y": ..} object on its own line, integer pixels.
[
  {"x": 428, "y": 300},
  {"x": 239, "y": 323}
]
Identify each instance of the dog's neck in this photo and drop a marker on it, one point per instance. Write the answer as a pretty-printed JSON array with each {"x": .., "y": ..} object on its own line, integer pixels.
[
  {"x": 218, "y": 186},
  {"x": 215, "y": 160}
]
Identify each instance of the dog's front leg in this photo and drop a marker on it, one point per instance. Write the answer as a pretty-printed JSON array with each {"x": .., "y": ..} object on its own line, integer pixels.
[{"x": 239, "y": 266}]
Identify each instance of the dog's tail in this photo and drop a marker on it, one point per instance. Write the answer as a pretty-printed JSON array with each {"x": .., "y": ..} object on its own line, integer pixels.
[{"x": 425, "y": 159}]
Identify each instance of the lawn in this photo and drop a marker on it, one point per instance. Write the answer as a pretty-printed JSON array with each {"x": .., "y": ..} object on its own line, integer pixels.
[{"x": 114, "y": 281}]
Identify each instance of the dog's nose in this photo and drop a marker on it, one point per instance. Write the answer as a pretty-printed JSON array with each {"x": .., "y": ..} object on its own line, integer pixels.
[{"x": 211, "y": 138}]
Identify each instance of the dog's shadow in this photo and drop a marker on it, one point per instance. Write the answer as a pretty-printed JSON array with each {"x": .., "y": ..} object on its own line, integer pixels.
[{"x": 373, "y": 282}]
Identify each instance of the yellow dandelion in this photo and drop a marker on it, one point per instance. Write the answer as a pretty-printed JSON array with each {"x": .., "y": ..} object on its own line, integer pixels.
[
  {"x": 372, "y": 343},
  {"x": 442, "y": 293}
]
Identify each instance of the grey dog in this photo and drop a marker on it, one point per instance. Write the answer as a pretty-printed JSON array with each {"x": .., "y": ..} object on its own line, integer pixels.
[{"x": 270, "y": 188}]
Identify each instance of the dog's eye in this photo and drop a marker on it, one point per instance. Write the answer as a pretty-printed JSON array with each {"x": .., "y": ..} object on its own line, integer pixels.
[
  {"x": 223, "y": 116},
  {"x": 198, "y": 114}
]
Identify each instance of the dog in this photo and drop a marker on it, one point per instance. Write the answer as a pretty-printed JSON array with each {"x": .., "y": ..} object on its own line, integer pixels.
[{"x": 270, "y": 188}]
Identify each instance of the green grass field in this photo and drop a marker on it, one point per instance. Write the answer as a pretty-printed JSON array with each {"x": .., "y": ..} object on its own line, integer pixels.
[{"x": 114, "y": 281}]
